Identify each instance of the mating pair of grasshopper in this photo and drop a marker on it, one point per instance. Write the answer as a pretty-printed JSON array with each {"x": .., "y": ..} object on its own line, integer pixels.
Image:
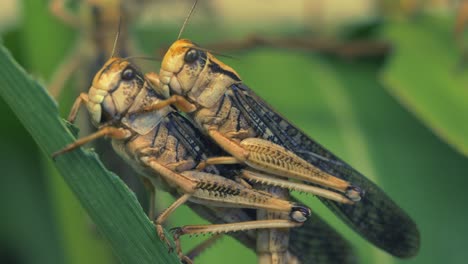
[{"x": 239, "y": 156}]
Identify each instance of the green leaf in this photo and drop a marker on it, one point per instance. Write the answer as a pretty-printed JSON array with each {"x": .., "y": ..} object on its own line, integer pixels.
[
  {"x": 25, "y": 199},
  {"x": 110, "y": 204},
  {"x": 425, "y": 75}
]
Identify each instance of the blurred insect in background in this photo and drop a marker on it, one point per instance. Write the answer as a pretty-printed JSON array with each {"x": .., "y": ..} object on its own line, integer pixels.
[
  {"x": 97, "y": 21},
  {"x": 254, "y": 134},
  {"x": 459, "y": 32}
]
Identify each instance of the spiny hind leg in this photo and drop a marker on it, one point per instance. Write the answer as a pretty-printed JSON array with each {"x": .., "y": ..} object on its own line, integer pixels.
[
  {"x": 266, "y": 179},
  {"x": 266, "y": 156},
  {"x": 226, "y": 228},
  {"x": 219, "y": 191},
  {"x": 213, "y": 189}
]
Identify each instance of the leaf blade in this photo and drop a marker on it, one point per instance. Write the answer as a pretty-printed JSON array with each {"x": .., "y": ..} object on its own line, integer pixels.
[{"x": 439, "y": 99}]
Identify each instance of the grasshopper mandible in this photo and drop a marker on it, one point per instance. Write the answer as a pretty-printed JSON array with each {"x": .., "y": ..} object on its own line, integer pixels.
[
  {"x": 254, "y": 134},
  {"x": 165, "y": 148}
]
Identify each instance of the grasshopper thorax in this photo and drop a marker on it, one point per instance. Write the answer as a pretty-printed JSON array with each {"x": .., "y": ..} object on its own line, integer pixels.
[
  {"x": 113, "y": 91},
  {"x": 191, "y": 71}
]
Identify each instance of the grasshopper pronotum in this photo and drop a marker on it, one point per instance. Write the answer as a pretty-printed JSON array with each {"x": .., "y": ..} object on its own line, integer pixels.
[{"x": 165, "y": 148}]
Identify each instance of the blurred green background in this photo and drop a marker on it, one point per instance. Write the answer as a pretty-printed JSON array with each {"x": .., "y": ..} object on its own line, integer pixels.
[{"x": 399, "y": 114}]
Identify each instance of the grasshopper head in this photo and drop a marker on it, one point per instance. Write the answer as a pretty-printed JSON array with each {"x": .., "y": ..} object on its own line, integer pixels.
[
  {"x": 113, "y": 90},
  {"x": 186, "y": 66}
]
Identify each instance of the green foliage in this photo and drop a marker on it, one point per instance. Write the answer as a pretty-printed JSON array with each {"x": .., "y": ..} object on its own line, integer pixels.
[
  {"x": 28, "y": 230},
  {"x": 427, "y": 74},
  {"x": 113, "y": 208}
]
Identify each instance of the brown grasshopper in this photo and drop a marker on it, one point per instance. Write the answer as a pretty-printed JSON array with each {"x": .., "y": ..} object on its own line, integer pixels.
[
  {"x": 259, "y": 154},
  {"x": 165, "y": 148},
  {"x": 254, "y": 134}
]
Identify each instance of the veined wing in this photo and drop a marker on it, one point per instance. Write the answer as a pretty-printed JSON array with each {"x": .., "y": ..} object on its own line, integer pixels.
[{"x": 376, "y": 217}]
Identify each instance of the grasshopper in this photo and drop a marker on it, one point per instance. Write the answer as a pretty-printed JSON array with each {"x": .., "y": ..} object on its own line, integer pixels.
[
  {"x": 165, "y": 148},
  {"x": 254, "y": 134},
  {"x": 222, "y": 121},
  {"x": 261, "y": 155}
]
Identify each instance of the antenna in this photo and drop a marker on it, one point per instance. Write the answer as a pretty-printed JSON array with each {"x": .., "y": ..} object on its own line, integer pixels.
[
  {"x": 187, "y": 18},
  {"x": 116, "y": 40}
]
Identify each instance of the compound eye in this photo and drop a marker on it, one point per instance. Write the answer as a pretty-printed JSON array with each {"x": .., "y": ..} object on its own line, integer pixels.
[
  {"x": 191, "y": 56},
  {"x": 128, "y": 74}
]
